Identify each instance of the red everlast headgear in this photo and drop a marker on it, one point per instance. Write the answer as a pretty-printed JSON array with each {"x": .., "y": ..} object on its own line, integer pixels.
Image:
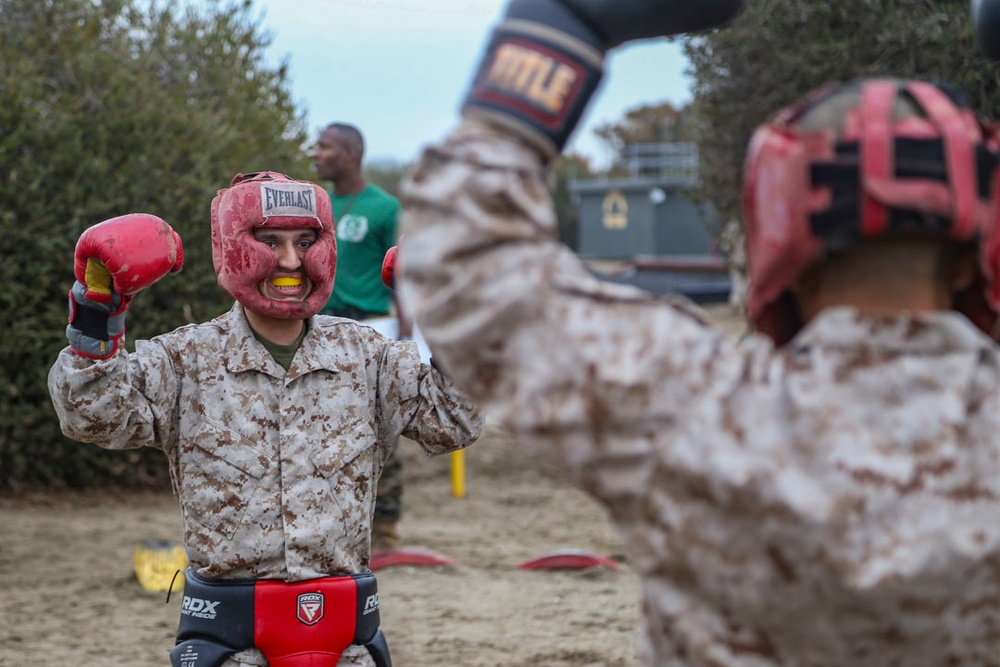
[
  {"x": 873, "y": 171},
  {"x": 270, "y": 199}
]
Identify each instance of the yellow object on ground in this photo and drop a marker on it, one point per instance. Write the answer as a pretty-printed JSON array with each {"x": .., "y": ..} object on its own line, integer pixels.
[{"x": 156, "y": 564}]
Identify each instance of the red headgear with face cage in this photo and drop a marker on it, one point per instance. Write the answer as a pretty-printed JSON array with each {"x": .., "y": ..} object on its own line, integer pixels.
[
  {"x": 272, "y": 200},
  {"x": 811, "y": 192}
]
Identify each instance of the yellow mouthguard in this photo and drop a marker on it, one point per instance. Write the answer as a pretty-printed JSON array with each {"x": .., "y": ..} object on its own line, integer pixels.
[{"x": 286, "y": 282}]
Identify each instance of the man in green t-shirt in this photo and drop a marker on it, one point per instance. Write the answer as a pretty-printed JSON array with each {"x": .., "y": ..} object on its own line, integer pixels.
[{"x": 365, "y": 216}]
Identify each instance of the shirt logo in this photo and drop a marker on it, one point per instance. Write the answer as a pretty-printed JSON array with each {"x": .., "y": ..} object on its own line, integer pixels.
[
  {"x": 352, "y": 228},
  {"x": 310, "y": 608},
  {"x": 294, "y": 199}
]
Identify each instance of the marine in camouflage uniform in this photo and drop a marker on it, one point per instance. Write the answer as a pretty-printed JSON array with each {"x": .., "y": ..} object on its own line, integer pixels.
[
  {"x": 274, "y": 464},
  {"x": 824, "y": 493}
]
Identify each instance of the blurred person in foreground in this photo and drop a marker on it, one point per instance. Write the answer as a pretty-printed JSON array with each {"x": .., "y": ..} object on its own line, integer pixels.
[
  {"x": 275, "y": 422},
  {"x": 824, "y": 492}
]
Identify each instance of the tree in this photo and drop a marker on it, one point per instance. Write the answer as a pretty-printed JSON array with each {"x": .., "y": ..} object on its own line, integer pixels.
[
  {"x": 658, "y": 123},
  {"x": 778, "y": 50},
  {"x": 647, "y": 123},
  {"x": 108, "y": 107}
]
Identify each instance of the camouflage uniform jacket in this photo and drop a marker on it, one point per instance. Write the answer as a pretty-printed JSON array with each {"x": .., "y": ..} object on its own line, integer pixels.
[
  {"x": 275, "y": 471},
  {"x": 835, "y": 502}
]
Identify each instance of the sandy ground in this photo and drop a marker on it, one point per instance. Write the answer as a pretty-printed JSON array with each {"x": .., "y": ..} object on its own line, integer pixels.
[{"x": 68, "y": 594}]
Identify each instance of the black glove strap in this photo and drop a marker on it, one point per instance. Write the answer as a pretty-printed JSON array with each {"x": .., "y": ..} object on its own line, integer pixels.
[{"x": 90, "y": 321}]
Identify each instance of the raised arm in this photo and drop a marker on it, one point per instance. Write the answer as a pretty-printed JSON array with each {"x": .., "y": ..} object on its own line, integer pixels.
[
  {"x": 95, "y": 388},
  {"x": 515, "y": 318}
]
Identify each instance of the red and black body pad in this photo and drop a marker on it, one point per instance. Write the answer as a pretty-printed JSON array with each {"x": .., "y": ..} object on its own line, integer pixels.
[{"x": 301, "y": 624}]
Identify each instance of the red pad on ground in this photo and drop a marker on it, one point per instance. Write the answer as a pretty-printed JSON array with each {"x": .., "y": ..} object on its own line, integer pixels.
[
  {"x": 408, "y": 556},
  {"x": 567, "y": 559}
]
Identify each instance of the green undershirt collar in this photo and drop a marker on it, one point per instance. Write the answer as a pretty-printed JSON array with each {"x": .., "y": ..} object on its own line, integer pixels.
[{"x": 282, "y": 353}]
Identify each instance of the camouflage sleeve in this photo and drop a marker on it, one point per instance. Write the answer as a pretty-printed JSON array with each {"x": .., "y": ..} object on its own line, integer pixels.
[
  {"x": 106, "y": 402},
  {"x": 581, "y": 369},
  {"x": 417, "y": 401}
]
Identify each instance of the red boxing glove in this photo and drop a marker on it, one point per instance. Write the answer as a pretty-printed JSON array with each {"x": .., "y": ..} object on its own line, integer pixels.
[
  {"x": 389, "y": 268},
  {"x": 125, "y": 255},
  {"x": 114, "y": 260}
]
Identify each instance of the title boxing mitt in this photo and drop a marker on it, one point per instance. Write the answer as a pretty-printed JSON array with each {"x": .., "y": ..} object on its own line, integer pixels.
[{"x": 545, "y": 58}]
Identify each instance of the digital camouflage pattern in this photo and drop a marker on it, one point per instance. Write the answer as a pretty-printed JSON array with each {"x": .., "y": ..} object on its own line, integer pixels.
[
  {"x": 275, "y": 472},
  {"x": 833, "y": 502}
]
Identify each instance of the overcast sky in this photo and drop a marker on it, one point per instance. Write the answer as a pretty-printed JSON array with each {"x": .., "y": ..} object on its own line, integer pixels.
[{"x": 399, "y": 68}]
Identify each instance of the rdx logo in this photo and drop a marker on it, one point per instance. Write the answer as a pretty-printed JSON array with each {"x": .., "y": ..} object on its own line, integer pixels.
[
  {"x": 310, "y": 608},
  {"x": 371, "y": 604},
  {"x": 199, "y": 608}
]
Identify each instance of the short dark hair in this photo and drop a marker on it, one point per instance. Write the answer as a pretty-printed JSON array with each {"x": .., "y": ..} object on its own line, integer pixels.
[{"x": 352, "y": 136}]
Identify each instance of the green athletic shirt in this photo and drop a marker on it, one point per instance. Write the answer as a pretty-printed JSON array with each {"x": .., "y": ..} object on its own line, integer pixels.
[{"x": 366, "y": 229}]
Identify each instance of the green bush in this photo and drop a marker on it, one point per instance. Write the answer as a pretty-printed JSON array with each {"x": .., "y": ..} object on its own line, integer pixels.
[{"x": 110, "y": 107}]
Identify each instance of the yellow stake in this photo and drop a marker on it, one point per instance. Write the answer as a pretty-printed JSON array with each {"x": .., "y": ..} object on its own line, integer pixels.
[{"x": 458, "y": 473}]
